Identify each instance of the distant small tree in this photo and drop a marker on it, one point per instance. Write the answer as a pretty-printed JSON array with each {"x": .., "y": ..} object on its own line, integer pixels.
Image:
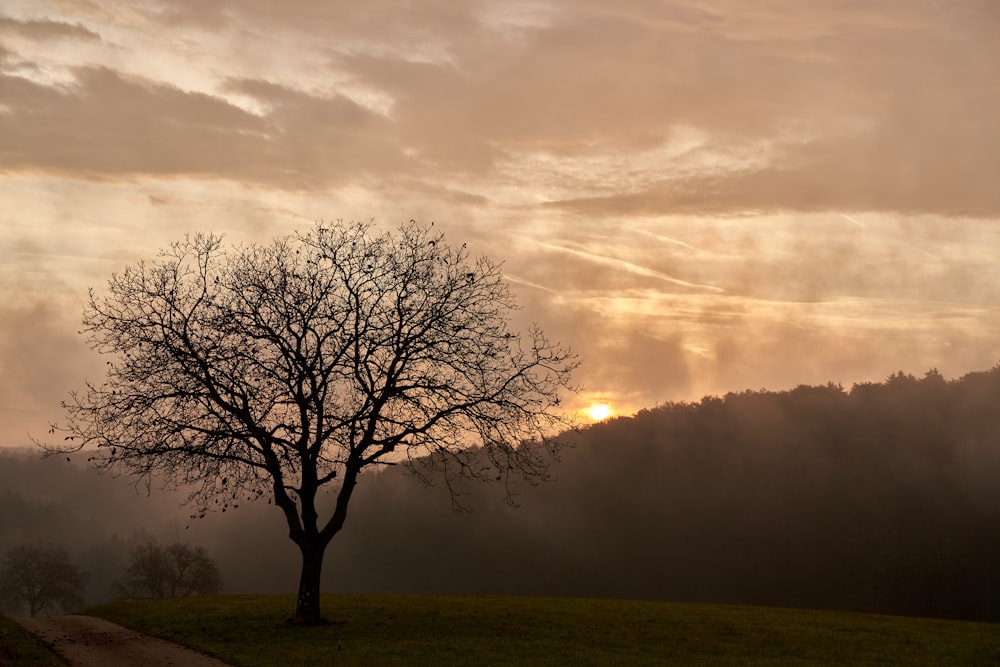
[
  {"x": 177, "y": 570},
  {"x": 40, "y": 578},
  {"x": 286, "y": 370}
]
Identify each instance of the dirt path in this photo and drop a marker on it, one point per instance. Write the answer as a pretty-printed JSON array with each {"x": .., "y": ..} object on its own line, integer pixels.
[{"x": 86, "y": 641}]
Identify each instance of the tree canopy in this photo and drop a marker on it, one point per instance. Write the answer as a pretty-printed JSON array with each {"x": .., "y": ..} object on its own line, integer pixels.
[
  {"x": 175, "y": 570},
  {"x": 40, "y": 577},
  {"x": 285, "y": 370}
]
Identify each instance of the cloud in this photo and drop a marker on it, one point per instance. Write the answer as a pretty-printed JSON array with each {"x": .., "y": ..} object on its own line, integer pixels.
[
  {"x": 670, "y": 178},
  {"x": 107, "y": 125},
  {"x": 872, "y": 173},
  {"x": 45, "y": 29},
  {"x": 883, "y": 107},
  {"x": 627, "y": 266}
]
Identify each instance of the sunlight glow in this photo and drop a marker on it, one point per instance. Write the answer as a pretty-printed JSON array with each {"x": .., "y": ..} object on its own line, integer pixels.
[{"x": 599, "y": 411}]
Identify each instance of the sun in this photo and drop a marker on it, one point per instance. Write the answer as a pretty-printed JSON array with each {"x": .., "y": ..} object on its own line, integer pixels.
[{"x": 599, "y": 411}]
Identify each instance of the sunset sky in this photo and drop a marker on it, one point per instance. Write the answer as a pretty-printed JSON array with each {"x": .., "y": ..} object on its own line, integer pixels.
[{"x": 698, "y": 197}]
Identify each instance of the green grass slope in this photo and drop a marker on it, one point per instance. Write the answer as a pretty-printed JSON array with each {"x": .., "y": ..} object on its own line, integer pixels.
[
  {"x": 18, "y": 648},
  {"x": 427, "y": 630}
]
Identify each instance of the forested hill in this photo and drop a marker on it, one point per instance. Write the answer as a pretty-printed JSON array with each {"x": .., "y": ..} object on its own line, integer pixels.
[{"x": 884, "y": 497}]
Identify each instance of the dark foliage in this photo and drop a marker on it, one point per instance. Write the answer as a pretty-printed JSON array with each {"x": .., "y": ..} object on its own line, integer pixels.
[
  {"x": 176, "y": 570},
  {"x": 39, "y": 578},
  {"x": 883, "y": 498}
]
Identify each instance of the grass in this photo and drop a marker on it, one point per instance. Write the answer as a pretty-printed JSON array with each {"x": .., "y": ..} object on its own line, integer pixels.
[
  {"x": 251, "y": 631},
  {"x": 18, "y": 648}
]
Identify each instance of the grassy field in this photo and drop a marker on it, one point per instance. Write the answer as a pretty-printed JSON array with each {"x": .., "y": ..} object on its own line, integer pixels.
[
  {"x": 19, "y": 649},
  {"x": 427, "y": 630}
]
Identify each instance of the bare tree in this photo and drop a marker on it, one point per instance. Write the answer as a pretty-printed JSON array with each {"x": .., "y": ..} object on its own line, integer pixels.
[
  {"x": 177, "y": 570},
  {"x": 285, "y": 370},
  {"x": 41, "y": 577}
]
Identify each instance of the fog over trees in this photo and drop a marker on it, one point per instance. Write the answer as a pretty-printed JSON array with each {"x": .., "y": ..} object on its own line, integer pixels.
[
  {"x": 883, "y": 498},
  {"x": 39, "y": 578},
  {"x": 175, "y": 570}
]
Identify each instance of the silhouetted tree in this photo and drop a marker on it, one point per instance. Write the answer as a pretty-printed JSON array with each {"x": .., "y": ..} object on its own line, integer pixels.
[
  {"x": 177, "y": 570},
  {"x": 42, "y": 578},
  {"x": 286, "y": 370}
]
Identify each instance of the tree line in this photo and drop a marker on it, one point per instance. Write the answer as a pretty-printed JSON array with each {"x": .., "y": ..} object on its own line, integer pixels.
[
  {"x": 881, "y": 497},
  {"x": 43, "y": 578}
]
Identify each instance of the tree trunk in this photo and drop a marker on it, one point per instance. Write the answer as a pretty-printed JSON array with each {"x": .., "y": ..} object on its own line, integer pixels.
[{"x": 307, "y": 608}]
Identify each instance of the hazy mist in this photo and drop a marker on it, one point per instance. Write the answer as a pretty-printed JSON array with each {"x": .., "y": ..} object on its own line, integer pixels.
[{"x": 879, "y": 498}]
